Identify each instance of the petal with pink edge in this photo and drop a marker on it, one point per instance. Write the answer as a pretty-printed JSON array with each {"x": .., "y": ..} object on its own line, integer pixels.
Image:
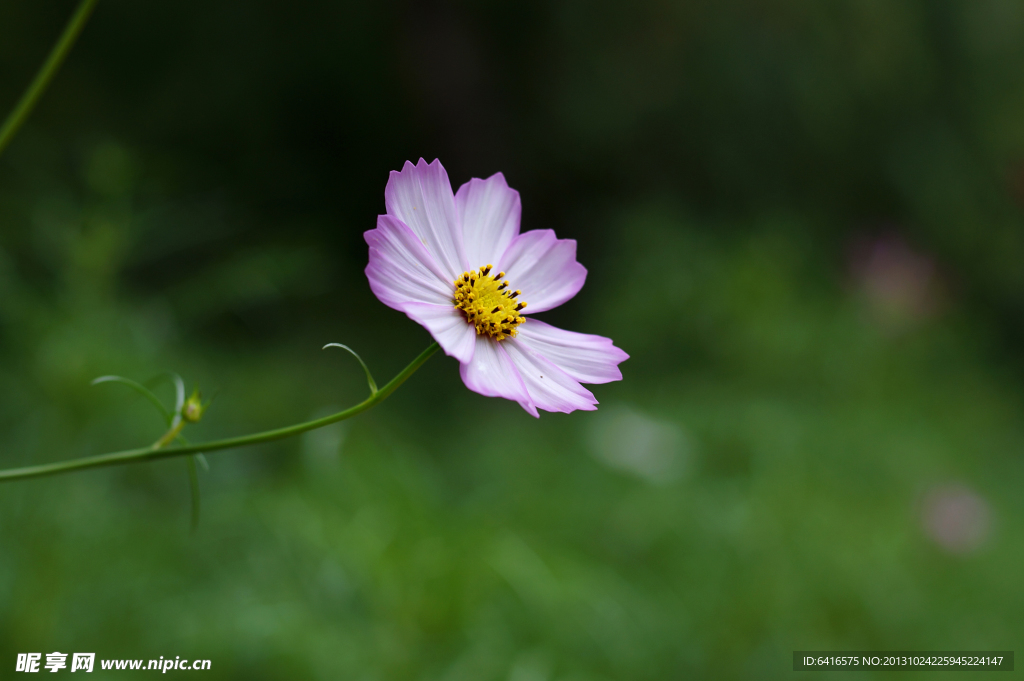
[
  {"x": 492, "y": 373},
  {"x": 449, "y": 328},
  {"x": 544, "y": 268},
  {"x": 587, "y": 358},
  {"x": 421, "y": 197},
  {"x": 550, "y": 388},
  {"x": 489, "y": 212},
  {"x": 401, "y": 270}
]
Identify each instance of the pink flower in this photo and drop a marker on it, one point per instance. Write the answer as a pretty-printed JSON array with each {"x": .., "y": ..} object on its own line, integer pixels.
[{"x": 458, "y": 265}]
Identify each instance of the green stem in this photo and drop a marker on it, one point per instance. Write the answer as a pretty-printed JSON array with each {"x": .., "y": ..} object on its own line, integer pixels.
[
  {"x": 150, "y": 454},
  {"x": 171, "y": 435},
  {"x": 46, "y": 72}
]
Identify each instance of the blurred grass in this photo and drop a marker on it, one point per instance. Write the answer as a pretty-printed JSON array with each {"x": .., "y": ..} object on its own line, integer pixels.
[{"x": 802, "y": 222}]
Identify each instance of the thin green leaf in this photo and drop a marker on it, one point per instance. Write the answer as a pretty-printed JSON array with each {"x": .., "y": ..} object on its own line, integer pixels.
[
  {"x": 139, "y": 388},
  {"x": 200, "y": 457},
  {"x": 369, "y": 377},
  {"x": 46, "y": 72},
  {"x": 179, "y": 393},
  {"x": 165, "y": 376},
  {"x": 193, "y": 483}
]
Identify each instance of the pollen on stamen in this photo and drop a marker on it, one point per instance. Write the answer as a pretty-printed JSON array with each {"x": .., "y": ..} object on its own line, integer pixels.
[{"x": 477, "y": 291}]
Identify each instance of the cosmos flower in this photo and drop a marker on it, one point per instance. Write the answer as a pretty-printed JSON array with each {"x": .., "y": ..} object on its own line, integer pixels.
[{"x": 458, "y": 265}]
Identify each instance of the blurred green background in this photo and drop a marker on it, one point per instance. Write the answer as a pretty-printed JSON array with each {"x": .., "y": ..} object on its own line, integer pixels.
[{"x": 802, "y": 220}]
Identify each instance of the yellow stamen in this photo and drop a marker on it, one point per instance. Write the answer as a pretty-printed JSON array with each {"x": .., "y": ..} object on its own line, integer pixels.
[{"x": 488, "y": 304}]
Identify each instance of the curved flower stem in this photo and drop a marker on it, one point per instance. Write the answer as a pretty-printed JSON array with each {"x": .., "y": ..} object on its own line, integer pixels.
[
  {"x": 151, "y": 453},
  {"x": 46, "y": 72}
]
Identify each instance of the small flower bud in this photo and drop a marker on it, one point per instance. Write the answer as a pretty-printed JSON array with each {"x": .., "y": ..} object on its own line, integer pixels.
[{"x": 192, "y": 410}]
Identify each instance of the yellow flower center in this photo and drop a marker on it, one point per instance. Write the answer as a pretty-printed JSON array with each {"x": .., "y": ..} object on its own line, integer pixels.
[{"x": 488, "y": 303}]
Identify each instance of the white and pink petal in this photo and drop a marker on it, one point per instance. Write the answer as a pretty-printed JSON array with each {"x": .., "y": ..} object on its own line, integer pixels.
[
  {"x": 544, "y": 268},
  {"x": 550, "y": 388},
  {"x": 421, "y": 197},
  {"x": 448, "y": 327},
  {"x": 492, "y": 373},
  {"x": 489, "y": 211},
  {"x": 400, "y": 269},
  {"x": 586, "y": 358}
]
